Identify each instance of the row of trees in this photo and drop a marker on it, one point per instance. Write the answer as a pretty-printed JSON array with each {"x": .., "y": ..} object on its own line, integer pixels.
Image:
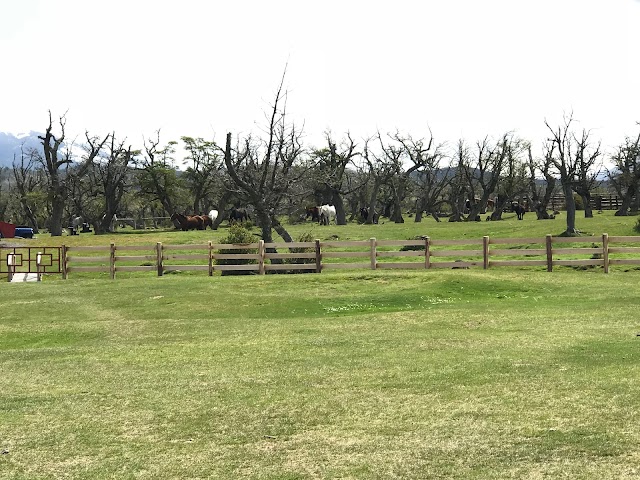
[{"x": 276, "y": 174}]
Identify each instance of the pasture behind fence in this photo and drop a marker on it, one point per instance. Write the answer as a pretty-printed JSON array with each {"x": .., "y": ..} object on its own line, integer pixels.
[{"x": 318, "y": 256}]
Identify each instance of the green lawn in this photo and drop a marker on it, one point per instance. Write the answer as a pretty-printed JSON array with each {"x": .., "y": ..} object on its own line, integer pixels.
[
  {"x": 427, "y": 374},
  {"x": 605, "y": 222}
]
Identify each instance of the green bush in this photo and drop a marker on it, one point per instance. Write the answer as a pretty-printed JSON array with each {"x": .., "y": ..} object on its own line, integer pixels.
[
  {"x": 304, "y": 237},
  {"x": 237, "y": 234}
]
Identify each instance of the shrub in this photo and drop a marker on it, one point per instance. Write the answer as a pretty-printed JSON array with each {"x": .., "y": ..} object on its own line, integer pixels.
[
  {"x": 237, "y": 234},
  {"x": 305, "y": 237}
]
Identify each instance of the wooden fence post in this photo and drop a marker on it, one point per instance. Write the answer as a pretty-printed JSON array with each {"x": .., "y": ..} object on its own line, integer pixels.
[
  {"x": 112, "y": 261},
  {"x": 63, "y": 262},
  {"x": 318, "y": 257},
  {"x": 485, "y": 252},
  {"x": 210, "y": 258},
  {"x": 549, "y": 245},
  {"x": 427, "y": 252},
  {"x": 261, "y": 257},
  {"x": 605, "y": 251},
  {"x": 159, "y": 258},
  {"x": 372, "y": 244}
]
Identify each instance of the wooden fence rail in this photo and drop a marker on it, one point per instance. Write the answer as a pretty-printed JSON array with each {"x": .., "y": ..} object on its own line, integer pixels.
[{"x": 423, "y": 253}]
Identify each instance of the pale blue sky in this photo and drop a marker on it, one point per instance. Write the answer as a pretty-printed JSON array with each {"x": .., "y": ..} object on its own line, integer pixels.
[{"x": 464, "y": 68}]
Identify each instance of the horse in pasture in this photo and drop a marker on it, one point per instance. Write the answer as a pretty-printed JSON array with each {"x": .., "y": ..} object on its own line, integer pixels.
[
  {"x": 238, "y": 215},
  {"x": 313, "y": 212},
  {"x": 364, "y": 215},
  {"x": 188, "y": 222},
  {"x": 213, "y": 215},
  {"x": 327, "y": 213},
  {"x": 206, "y": 221},
  {"x": 519, "y": 209}
]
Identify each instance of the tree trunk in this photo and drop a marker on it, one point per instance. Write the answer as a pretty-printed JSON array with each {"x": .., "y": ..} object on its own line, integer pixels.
[
  {"x": 372, "y": 202},
  {"x": 263, "y": 219},
  {"x": 586, "y": 201},
  {"x": 341, "y": 217},
  {"x": 571, "y": 210},
  {"x": 57, "y": 210},
  {"x": 281, "y": 230}
]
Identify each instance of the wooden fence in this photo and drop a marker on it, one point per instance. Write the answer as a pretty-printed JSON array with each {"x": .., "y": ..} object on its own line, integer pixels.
[{"x": 425, "y": 253}]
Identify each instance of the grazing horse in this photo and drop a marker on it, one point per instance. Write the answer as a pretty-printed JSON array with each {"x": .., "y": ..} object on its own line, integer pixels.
[
  {"x": 210, "y": 219},
  {"x": 238, "y": 215},
  {"x": 327, "y": 213},
  {"x": 188, "y": 222},
  {"x": 364, "y": 214},
  {"x": 519, "y": 209},
  {"x": 314, "y": 213}
]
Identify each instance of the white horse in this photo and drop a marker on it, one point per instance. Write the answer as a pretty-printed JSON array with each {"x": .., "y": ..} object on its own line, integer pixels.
[
  {"x": 213, "y": 215},
  {"x": 327, "y": 213}
]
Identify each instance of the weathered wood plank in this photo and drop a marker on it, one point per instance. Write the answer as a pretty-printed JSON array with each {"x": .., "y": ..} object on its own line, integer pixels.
[
  {"x": 571, "y": 263},
  {"x": 344, "y": 254},
  {"x": 456, "y": 253},
  {"x": 410, "y": 253},
  {"x": 291, "y": 266},
  {"x": 518, "y": 252},
  {"x": 290, "y": 255},
  {"x": 516, "y": 241},
  {"x": 343, "y": 266},
  {"x": 517, "y": 263}
]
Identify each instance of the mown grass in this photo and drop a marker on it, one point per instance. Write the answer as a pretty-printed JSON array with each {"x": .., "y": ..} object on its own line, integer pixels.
[
  {"x": 510, "y": 227},
  {"x": 430, "y": 374}
]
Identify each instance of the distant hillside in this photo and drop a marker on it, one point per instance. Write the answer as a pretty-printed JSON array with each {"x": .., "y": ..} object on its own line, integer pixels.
[{"x": 10, "y": 145}]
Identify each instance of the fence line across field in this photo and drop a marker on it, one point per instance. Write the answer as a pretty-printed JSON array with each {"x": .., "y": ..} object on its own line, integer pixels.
[{"x": 315, "y": 257}]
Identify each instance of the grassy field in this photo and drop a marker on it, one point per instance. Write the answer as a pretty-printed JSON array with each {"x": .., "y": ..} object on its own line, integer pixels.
[
  {"x": 378, "y": 374},
  {"x": 509, "y": 227}
]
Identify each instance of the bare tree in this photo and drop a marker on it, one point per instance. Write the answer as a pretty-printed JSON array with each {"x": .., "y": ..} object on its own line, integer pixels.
[
  {"x": 559, "y": 151},
  {"x": 382, "y": 168},
  {"x": 625, "y": 174},
  {"x": 331, "y": 168},
  {"x": 513, "y": 182},
  {"x": 56, "y": 162},
  {"x": 28, "y": 181},
  {"x": 485, "y": 172},
  {"x": 588, "y": 168},
  {"x": 202, "y": 174},
  {"x": 156, "y": 173},
  {"x": 457, "y": 192},
  {"x": 263, "y": 170},
  {"x": 541, "y": 195},
  {"x": 111, "y": 172},
  {"x": 429, "y": 180}
]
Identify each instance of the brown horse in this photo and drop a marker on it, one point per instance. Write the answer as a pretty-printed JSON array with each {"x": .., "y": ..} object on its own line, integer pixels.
[
  {"x": 206, "y": 222},
  {"x": 188, "y": 222}
]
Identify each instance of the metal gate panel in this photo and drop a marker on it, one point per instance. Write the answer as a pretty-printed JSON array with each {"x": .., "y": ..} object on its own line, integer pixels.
[{"x": 25, "y": 259}]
